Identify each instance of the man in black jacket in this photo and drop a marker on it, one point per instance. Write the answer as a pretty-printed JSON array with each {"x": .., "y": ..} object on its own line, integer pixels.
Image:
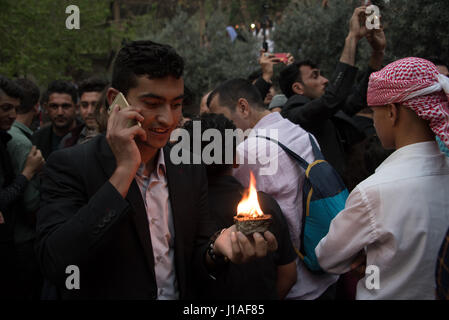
[
  {"x": 316, "y": 104},
  {"x": 12, "y": 187},
  {"x": 117, "y": 214},
  {"x": 60, "y": 101}
]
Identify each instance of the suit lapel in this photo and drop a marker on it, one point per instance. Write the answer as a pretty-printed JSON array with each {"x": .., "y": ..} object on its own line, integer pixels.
[
  {"x": 134, "y": 198},
  {"x": 140, "y": 220}
]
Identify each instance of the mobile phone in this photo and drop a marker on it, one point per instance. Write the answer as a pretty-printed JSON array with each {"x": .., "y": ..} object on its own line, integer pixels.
[
  {"x": 282, "y": 57},
  {"x": 120, "y": 100}
]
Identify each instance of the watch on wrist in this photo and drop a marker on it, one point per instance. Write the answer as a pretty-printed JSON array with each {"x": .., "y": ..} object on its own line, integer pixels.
[{"x": 216, "y": 258}]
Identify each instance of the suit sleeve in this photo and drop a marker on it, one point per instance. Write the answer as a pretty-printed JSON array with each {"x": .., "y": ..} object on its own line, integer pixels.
[
  {"x": 356, "y": 101},
  {"x": 336, "y": 93},
  {"x": 263, "y": 87},
  {"x": 206, "y": 228},
  {"x": 71, "y": 228}
]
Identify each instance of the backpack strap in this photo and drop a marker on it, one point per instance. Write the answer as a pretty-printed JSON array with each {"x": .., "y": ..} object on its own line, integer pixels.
[
  {"x": 316, "y": 151},
  {"x": 303, "y": 163}
]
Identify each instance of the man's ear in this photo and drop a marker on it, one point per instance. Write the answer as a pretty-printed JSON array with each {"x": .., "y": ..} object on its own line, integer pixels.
[
  {"x": 243, "y": 107},
  {"x": 298, "y": 88},
  {"x": 393, "y": 113},
  {"x": 111, "y": 94}
]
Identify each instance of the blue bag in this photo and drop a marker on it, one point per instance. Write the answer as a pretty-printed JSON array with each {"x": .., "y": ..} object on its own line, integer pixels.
[{"x": 324, "y": 196}]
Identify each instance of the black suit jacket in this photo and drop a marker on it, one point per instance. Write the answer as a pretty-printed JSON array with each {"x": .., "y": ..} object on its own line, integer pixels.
[
  {"x": 84, "y": 221},
  {"x": 42, "y": 140}
]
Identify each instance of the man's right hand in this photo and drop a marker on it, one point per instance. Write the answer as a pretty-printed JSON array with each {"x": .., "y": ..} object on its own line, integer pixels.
[
  {"x": 124, "y": 147},
  {"x": 357, "y": 24},
  {"x": 267, "y": 61},
  {"x": 34, "y": 163},
  {"x": 357, "y": 30}
]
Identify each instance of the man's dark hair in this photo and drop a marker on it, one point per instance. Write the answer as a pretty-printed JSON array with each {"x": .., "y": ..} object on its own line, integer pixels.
[
  {"x": 229, "y": 92},
  {"x": 10, "y": 88},
  {"x": 92, "y": 85},
  {"x": 221, "y": 123},
  {"x": 144, "y": 58},
  {"x": 255, "y": 75},
  {"x": 190, "y": 107},
  {"x": 31, "y": 95},
  {"x": 292, "y": 74},
  {"x": 61, "y": 86}
]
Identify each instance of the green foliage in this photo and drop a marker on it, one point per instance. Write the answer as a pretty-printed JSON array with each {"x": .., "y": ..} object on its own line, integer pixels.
[
  {"x": 209, "y": 64},
  {"x": 35, "y": 41},
  {"x": 412, "y": 28}
]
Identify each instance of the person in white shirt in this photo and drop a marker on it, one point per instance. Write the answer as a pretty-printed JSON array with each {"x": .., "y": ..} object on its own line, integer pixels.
[
  {"x": 398, "y": 216},
  {"x": 275, "y": 172}
]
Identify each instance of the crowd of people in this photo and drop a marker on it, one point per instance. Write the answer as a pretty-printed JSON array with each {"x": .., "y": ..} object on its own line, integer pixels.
[{"x": 87, "y": 189}]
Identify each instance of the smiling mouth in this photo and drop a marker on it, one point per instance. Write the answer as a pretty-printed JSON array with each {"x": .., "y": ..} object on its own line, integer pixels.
[{"x": 159, "y": 130}]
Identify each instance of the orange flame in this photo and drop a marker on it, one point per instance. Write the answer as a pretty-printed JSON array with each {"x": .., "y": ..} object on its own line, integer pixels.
[{"x": 249, "y": 205}]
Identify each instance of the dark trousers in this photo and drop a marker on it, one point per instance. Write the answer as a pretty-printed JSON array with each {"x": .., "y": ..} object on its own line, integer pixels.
[{"x": 28, "y": 275}]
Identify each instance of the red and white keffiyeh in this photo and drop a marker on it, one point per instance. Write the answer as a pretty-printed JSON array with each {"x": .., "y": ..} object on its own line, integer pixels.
[{"x": 416, "y": 84}]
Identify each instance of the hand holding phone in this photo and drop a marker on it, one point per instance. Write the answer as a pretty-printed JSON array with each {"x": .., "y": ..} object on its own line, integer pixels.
[
  {"x": 282, "y": 57},
  {"x": 120, "y": 100}
]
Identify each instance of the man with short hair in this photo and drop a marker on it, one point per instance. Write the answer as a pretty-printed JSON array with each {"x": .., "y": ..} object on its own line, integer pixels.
[
  {"x": 395, "y": 221},
  {"x": 135, "y": 224},
  {"x": 89, "y": 92},
  {"x": 60, "y": 101},
  {"x": 12, "y": 187},
  {"x": 316, "y": 104},
  {"x": 20, "y": 145},
  {"x": 267, "y": 278},
  {"x": 275, "y": 172}
]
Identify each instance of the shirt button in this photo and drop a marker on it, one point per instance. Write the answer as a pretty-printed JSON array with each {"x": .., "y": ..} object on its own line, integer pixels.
[
  {"x": 158, "y": 258},
  {"x": 153, "y": 221}
]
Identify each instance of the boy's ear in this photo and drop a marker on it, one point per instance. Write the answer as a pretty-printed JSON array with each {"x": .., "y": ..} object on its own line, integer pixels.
[{"x": 393, "y": 113}]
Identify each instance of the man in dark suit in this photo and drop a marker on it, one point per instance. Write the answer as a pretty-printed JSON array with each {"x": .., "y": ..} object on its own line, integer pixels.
[
  {"x": 324, "y": 107},
  {"x": 59, "y": 102},
  {"x": 118, "y": 215}
]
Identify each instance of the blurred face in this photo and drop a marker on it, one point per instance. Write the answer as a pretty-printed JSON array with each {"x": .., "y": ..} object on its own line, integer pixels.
[
  {"x": 8, "y": 106},
  {"x": 382, "y": 124},
  {"x": 161, "y": 103},
  {"x": 313, "y": 83},
  {"x": 269, "y": 96},
  {"x": 61, "y": 110},
  {"x": 236, "y": 116},
  {"x": 88, "y": 102}
]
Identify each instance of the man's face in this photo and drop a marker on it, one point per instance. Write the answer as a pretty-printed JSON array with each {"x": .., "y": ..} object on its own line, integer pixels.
[
  {"x": 88, "y": 102},
  {"x": 313, "y": 83},
  {"x": 161, "y": 103},
  {"x": 443, "y": 70},
  {"x": 236, "y": 116},
  {"x": 382, "y": 125},
  {"x": 61, "y": 110},
  {"x": 8, "y": 106}
]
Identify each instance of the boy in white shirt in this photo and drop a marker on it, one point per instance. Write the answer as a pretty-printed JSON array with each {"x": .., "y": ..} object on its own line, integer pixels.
[{"x": 399, "y": 215}]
